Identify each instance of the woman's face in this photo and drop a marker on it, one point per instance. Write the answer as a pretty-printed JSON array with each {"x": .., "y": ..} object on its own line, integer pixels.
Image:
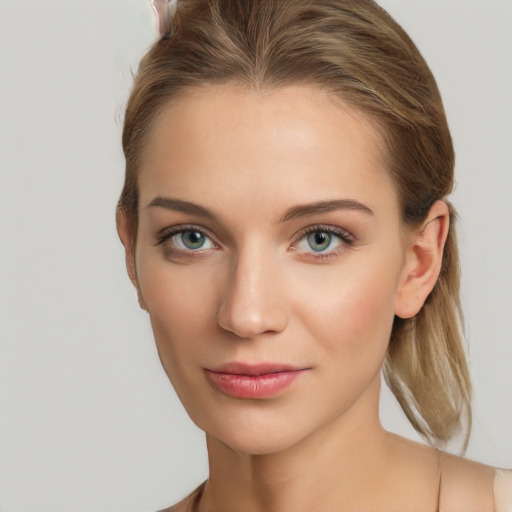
[{"x": 269, "y": 256}]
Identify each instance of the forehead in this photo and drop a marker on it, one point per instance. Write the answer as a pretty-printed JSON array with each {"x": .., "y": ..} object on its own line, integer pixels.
[{"x": 225, "y": 144}]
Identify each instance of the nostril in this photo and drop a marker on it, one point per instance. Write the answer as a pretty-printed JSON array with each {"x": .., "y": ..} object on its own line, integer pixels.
[
  {"x": 251, "y": 303},
  {"x": 249, "y": 319}
]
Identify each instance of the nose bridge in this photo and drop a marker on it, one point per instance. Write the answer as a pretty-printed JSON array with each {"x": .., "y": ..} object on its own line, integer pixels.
[{"x": 252, "y": 303}]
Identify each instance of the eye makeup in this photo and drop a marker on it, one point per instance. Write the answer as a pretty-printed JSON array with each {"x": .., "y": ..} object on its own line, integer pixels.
[
  {"x": 185, "y": 240},
  {"x": 317, "y": 242},
  {"x": 322, "y": 242}
]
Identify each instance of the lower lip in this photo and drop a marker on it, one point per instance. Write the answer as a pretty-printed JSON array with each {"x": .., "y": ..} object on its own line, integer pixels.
[{"x": 252, "y": 386}]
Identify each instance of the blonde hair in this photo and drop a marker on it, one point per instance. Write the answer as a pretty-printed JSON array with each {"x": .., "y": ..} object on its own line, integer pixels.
[{"x": 354, "y": 50}]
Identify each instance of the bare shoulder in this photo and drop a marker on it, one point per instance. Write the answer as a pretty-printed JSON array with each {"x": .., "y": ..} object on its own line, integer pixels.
[
  {"x": 467, "y": 485},
  {"x": 458, "y": 484},
  {"x": 503, "y": 490}
]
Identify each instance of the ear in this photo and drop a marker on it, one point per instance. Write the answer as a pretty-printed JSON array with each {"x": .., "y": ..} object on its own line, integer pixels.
[
  {"x": 423, "y": 260},
  {"x": 127, "y": 236}
]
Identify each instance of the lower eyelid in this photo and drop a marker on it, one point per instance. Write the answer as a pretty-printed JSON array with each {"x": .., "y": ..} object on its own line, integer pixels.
[{"x": 339, "y": 245}]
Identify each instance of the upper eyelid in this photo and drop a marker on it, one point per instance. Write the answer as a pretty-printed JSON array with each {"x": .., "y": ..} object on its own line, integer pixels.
[
  {"x": 335, "y": 230},
  {"x": 165, "y": 233}
]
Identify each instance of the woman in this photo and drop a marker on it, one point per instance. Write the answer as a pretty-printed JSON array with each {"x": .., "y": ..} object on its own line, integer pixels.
[{"x": 286, "y": 227}]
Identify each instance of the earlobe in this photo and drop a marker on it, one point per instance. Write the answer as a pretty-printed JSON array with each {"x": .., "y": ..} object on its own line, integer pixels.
[{"x": 423, "y": 261}]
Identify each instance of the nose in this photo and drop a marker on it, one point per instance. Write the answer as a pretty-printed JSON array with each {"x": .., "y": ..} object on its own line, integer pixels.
[{"x": 253, "y": 301}]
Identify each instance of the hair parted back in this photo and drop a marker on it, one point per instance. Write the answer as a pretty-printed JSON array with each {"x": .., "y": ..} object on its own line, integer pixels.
[{"x": 355, "y": 51}]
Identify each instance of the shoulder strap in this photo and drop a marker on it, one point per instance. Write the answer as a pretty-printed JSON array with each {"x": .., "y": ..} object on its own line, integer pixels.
[{"x": 439, "y": 492}]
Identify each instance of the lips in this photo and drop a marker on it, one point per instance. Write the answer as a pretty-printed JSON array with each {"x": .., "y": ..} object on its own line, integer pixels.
[{"x": 240, "y": 380}]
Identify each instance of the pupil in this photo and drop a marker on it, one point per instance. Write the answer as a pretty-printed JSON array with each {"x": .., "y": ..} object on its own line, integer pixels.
[{"x": 319, "y": 241}]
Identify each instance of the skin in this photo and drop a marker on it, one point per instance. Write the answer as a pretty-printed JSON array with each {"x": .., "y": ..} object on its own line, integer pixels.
[{"x": 257, "y": 291}]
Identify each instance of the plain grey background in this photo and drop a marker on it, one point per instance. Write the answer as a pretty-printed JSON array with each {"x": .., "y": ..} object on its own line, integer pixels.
[{"x": 88, "y": 420}]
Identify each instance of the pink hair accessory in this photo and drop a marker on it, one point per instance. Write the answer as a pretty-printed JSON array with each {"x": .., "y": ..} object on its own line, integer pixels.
[{"x": 164, "y": 10}]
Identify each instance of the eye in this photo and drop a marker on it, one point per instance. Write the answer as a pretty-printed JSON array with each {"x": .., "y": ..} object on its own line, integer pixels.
[
  {"x": 323, "y": 241},
  {"x": 191, "y": 240},
  {"x": 185, "y": 239}
]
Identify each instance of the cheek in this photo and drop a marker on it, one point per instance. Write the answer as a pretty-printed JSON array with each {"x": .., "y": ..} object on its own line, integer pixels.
[
  {"x": 370, "y": 308},
  {"x": 352, "y": 315},
  {"x": 181, "y": 304}
]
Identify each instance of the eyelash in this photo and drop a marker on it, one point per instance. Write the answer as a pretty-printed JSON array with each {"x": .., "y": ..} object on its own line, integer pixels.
[
  {"x": 346, "y": 239},
  {"x": 166, "y": 234}
]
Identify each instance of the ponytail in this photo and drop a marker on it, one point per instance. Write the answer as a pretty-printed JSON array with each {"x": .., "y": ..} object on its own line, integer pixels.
[{"x": 426, "y": 367}]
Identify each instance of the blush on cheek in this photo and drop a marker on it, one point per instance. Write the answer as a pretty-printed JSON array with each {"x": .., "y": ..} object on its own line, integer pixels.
[
  {"x": 372, "y": 311},
  {"x": 363, "y": 317}
]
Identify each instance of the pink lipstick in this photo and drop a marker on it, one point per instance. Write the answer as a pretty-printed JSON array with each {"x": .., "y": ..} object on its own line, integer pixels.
[{"x": 240, "y": 380}]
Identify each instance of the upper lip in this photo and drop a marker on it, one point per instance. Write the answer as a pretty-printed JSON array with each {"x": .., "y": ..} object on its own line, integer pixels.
[{"x": 235, "y": 368}]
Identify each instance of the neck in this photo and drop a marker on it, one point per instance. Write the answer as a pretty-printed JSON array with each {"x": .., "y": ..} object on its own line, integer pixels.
[{"x": 324, "y": 470}]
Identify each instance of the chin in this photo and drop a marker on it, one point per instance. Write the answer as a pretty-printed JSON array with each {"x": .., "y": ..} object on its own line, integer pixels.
[
  {"x": 254, "y": 434},
  {"x": 263, "y": 443}
]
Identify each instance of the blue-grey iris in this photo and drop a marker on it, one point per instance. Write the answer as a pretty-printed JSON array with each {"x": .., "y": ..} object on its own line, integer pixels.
[
  {"x": 193, "y": 239},
  {"x": 319, "y": 241}
]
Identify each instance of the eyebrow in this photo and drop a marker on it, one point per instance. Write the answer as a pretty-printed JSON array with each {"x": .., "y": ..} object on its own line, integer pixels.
[
  {"x": 319, "y": 207},
  {"x": 292, "y": 213},
  {"x": 179, "y": 205}
]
